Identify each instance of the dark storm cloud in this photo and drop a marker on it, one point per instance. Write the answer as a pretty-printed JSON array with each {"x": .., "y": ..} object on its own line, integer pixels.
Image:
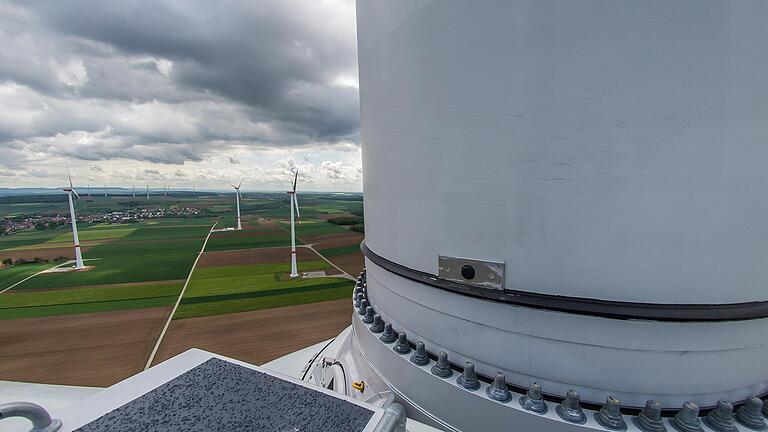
[
  {"x": 268, "y": 55},
  {"x": 169, "y": 81}
]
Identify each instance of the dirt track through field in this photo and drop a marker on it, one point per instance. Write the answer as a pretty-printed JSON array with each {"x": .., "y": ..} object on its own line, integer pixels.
[
  {"x": 97, "y": 349},
  {"x": 258, "y": 336},
  {"x": 275, "y": 255}
]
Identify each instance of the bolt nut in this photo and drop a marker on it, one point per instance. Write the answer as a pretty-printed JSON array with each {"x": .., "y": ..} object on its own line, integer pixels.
[
  {"x": 498, "y": 389},
  {"x": 442, "y": 368},
  {"x": 570, "y": 409},
  {"x": 533, "y": 400},
  {"x": 420, "y": 357},
  {"x": 468, "y": 378},
  {"x": 610, "y": 416}
]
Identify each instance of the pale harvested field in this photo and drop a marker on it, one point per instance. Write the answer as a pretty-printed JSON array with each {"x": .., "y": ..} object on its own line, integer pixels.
[
  {"x": 97, "y": 349},
  {"x": 255, "y": 256},
  {"x": 258, "y": 336}
]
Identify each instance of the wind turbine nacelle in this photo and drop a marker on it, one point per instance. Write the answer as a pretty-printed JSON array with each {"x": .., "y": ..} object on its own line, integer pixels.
[{"x": 571, "y": 192}]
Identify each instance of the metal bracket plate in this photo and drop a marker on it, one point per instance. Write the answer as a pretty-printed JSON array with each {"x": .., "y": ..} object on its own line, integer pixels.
[{"x": 483, "y": 274}]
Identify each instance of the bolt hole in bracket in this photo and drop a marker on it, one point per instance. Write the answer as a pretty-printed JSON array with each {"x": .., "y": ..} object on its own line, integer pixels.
[{"x": 482, "y": 274}]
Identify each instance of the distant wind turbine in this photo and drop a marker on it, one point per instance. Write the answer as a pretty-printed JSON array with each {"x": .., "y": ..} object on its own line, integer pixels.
[
  {"x": 237, "y": 200},
  {"x": 133, "y": 190},
  {"x": 105, "y": 190},
  {"x": 71, "y": 190},
  {"x": 294, "y": 203},
  {"x": 165, "y": 190},
  {"x": 89, "y": 190},
  {"x": 147, "y": 191}
]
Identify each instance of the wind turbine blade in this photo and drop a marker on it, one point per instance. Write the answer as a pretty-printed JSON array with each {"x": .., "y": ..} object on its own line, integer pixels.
[
  {"x": 70, "y": 178},
  {"x": 295, "y": 177},
  {"x": 296, "y": 203},
  {"x": 241, "y": 183},
  {"x": 76, "y": 194}
]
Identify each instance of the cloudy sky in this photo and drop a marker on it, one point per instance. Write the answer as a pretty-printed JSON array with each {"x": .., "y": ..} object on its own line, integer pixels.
[{"x": 196, "y": 93}]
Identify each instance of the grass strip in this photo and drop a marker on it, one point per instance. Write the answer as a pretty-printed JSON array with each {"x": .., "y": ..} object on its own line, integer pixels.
[{"x": 265, "y": 293}]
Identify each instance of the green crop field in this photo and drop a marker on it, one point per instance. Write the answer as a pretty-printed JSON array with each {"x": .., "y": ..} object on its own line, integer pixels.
[
  {"x": 124, "y": 261},
  {"x": 81, "y": 308},
  {"x": 168, "y": 232},
  {"x": 325, "y": 293},
  {"x": 226, "y": 289},
  {"x": 314, "y": 228},
  {"x": 31, "y": 238},
  {"x": 22, "y": 299},
  {"x": 227, "y": 242},
  {"x": 12, "y": 274},
  {"x": 255, "y": 277},
  {"x": 94, "y": 233}
]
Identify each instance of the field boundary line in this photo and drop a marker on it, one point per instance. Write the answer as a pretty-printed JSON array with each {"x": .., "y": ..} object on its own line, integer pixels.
[
  {"x": 178, "y": 301},
  {"x": 33, "y": 275}
]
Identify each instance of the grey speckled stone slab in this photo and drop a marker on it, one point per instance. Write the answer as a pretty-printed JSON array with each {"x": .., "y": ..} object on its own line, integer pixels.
[{"x": 221, "y": 396}]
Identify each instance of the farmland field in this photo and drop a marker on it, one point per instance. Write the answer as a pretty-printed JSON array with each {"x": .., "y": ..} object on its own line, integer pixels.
[{"x": 136, "y": 272}]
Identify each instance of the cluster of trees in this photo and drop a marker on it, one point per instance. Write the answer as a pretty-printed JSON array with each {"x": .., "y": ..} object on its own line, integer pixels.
[
  {"x": 346, "y": 220},
  {"x": 35, "y": 260}
]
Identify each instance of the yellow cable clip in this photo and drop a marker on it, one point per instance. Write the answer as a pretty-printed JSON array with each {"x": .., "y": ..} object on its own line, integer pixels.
[{"x": 358, "y": 385}]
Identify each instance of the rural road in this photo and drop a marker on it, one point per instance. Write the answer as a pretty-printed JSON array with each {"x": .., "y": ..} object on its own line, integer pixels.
[{"x": 178, "y": 300}]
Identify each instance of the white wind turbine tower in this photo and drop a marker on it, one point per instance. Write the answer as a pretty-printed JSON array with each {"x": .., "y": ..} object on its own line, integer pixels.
[
  {"x": 71, "y": 190},
  {"x": 105, "y": 190},
  {"x": 147, "y": 191},
  {"x": 294, "y": 204},
  {"x": 89, "y": 191},
  {"x": 133, "y": 190},
  {"x": 237, "y": 200}
]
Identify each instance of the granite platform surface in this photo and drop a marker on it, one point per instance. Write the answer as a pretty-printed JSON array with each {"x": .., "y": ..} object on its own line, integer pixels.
[{"x": 222, "y": 396}]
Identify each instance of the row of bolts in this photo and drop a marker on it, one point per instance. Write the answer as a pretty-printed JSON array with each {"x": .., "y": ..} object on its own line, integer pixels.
[{"x": 721, "y": 418}]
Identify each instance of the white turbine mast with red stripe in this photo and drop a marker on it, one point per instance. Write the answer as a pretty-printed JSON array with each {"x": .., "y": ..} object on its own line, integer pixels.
[
  {"x": 237, "y": 200},
  {"x": 294, "y": 204},
  {"x": 71, "y": 190}
]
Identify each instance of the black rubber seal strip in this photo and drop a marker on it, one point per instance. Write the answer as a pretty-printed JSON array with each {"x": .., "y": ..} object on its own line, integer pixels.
[{"x": 580, "y": 305}]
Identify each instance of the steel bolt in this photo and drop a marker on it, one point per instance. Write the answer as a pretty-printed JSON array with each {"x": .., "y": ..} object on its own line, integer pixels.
[
  {"x": 358, "y": 299},
  {"x": 442, "y": 368},
  {"x": 388, "y": 336},
  {"x": 468, "y": 378},
  {"x": 420, "y": 357},
  {"x": 378, "y": 324},
  {"x": 402, "y": 347},
  {"x": 687, "y": 419},
  {"x": 750, "y": 414},
  {"x": 649, "y": 418},
  {"x": 533, "y": 401},
  {"x": 609, "y": 415},
  {"x": 570, "y": 409},
  {"x": 368, "y": 317},
  {"x": 721, "y": 418},
  {"x": 363, "y": 305},
  {"x": 498, "y": 390}
]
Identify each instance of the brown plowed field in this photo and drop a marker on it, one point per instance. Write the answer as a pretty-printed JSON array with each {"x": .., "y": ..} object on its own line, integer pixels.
[
  {"x": 97, "y": 349},
  {"x": 49, "y": 254},
  {"x": 350, "y": 263},
  {"x": 258, "y": 336},
  {"x": 333, "y": 240},
  {"x": 255, "y": 256}
]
